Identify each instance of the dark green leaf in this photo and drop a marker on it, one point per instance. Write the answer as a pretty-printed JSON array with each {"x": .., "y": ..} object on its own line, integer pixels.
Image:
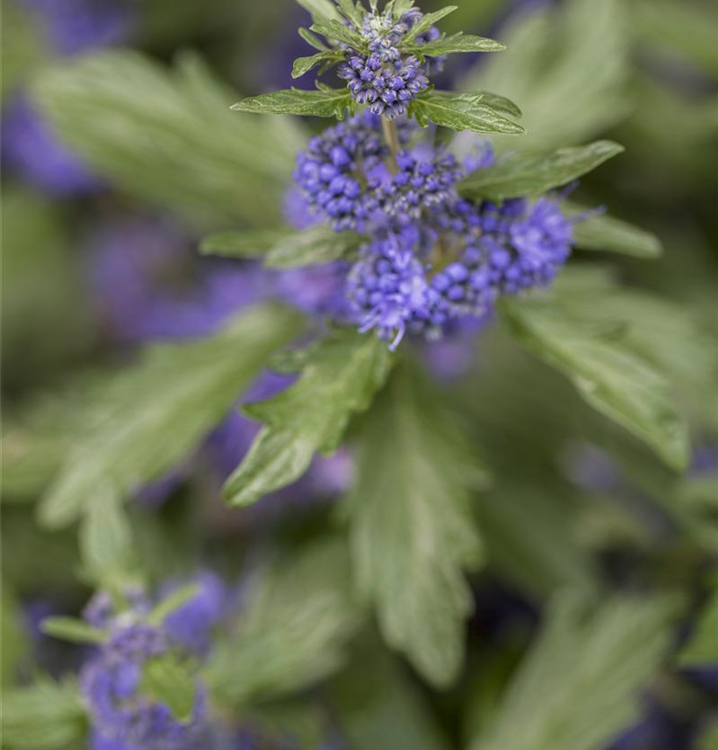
[
  {"x": 427, "y": 21},
  {"x": 457, "y": 112},
  {"x": 339, "y": 379},
  {"x": 70, "y": 629},
  {"x": 150, "y": 417},
  {"x": 600, "y": 232},
  {"x": 45, "y": 716},
  {"x": 579, "y": 685},
  {"x": 532, "y": 175},
  {"x": 286, "y": 249},
  {"x": 607, "y": 371},
  {"x": 410, "y": 521},
  {"x": 332, "y": 103},
  {"x": 106, "y": 544},
  {"x": 303, "y": 65},
  {"x": 336, "y": 31},
  {"x": 457, "y": 43},
  {"x": 293, "y": 630},
  {"x": 702, "y": 646},
  {"x": 167, "y": 680}
]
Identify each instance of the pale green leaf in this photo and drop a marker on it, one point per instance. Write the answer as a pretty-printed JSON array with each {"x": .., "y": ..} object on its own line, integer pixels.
[
  {"x": 324, "y": 103},
  {"x": 286, "y": 248},
  {"x": 410, "y": 522},
  {"x": 500, "y": 103},
  {"x": 45, "y": 716},
  {"x": 73, "y": 630},
  {"x": 533, "y": 175},
  {"x": 186, "y": 152},
  {"x": 171, "y": 603},
  {"x": 293, "y": 631},
  {"x": 303, "y": 65},
  {"x": 702, "y": 646},
  {"x": 320, "y": 10},
  {"x": 352, "y": 11},
  {"x": 312, "y": 40},
  {"x": 601, "y": 232},
  {"x": 340, "y": 378},
  {"x": 336, "y": 31},
  {"x": 151, "y": 416},
  {"x": 579, "y": 685},
  {"x": 167, "y": 680},
  {"x": 456, "y": 112},
  {"x": 456, "y": 43},
  {"x": 427, "y": 21},
  {"x": 605, "y": 369}
]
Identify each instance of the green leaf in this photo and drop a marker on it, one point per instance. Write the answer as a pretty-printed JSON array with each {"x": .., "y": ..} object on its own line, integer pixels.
[
  {"x": 167, "y": 680},
  {"x": 410, "y": 522},
  {"x": 14, "y": 638},
  {"x": 151, "y": 416},
  {"x": 320, "y": 10},
  {"x": 500, "y": 103},
  {"x": 172, "y": 603},
  {"x": 427, "y": 21},
  {"x": 605, "y": 369},
  {"x": 293, "y": 630},
  {"x": 336, "y": 31},
  {"x": 303, "y": 65},
  {"x": 708, "y": 739},
  {"x": 340, "y": 378},
  {"x": 702, "y": 647},
  {"x": 286, "y": 248},
  {"x": 351, "y": 11},
  {"x": 455, "y": 111},
  {"x": 601, "y": 232},
  {"x": 533, "y": 175},
  {"x": 73, "y": 630},
  {"x": 456, "y": 43},
  {"x": 106, "y": 543},
  {"x": 579, "y": 685},
  {"x": 45, "y": 716},
  {"x": 325, "y": 103},
  {"x": 312, "y": 40},
  {"x": 186, "y": 151}
]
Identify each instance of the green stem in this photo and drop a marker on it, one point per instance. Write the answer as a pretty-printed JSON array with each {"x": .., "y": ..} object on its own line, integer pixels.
[{"x": 391, "y": 136}]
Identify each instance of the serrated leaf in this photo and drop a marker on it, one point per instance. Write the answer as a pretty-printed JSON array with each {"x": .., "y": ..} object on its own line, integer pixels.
[
  {"x": 410, "y": 521},
  {"x": 323, "y": 103},
  {"x": 456, "y": 43},
  {"x": 606, "y": 371},
  {"x": 151, "y": 416},
  {"x": 320, "y": 10},
  {"x": 286, "y": 249},
  {"x": 579, "y": 685},
  {"x": 336, "y": 31},
  {"x": 427, "y": 21},
  {"x": 73, "y": 630},
  {"x": 167, "y": 680},
  {"x": 45, "y": 716},
  {"x": 454, "y": 111},
  {"x": 702, "y": 646},
  {"x": 303, "y": 65},
  {"x": 531, "y": 175},
  {"x": 601, "y": 232},
  {"x": 340, "y": 378},
  {"x": 293, "y": 629},
  {"x": 105, "y": 540},
  {"x": 93, "y": 104}
]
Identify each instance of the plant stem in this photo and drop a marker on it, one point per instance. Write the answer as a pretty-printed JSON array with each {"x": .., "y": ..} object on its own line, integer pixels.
[{"x": 391, "y": 136}]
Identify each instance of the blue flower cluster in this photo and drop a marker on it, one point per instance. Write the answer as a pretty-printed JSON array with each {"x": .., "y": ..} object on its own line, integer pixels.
[
  {"x": 122, "y": 714},
  {"x": 384, "y": 79},
  {"x": 432, "y": 257}
]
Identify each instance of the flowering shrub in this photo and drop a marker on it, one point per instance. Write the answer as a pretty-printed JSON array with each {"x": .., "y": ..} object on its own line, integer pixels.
[{"x": 390, "y": 455}]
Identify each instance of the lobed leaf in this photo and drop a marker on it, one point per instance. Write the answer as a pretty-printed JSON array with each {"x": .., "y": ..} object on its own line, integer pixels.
[
  {"x": 149, "y": 417},
  {"x": 531, "y": 175},
  {"x": 340, "y": 377},
  {"x": 323, "y": 103},
  {"x": 410, "y": 522},
  {"x": 457, "y": 112}
]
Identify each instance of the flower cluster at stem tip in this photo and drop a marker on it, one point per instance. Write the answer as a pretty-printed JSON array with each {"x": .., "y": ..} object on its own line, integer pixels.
[{"x": 430, "y": 257}]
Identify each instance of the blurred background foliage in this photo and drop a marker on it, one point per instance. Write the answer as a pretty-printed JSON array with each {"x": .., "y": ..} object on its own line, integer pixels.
[{"x": 137, "y": 129}]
